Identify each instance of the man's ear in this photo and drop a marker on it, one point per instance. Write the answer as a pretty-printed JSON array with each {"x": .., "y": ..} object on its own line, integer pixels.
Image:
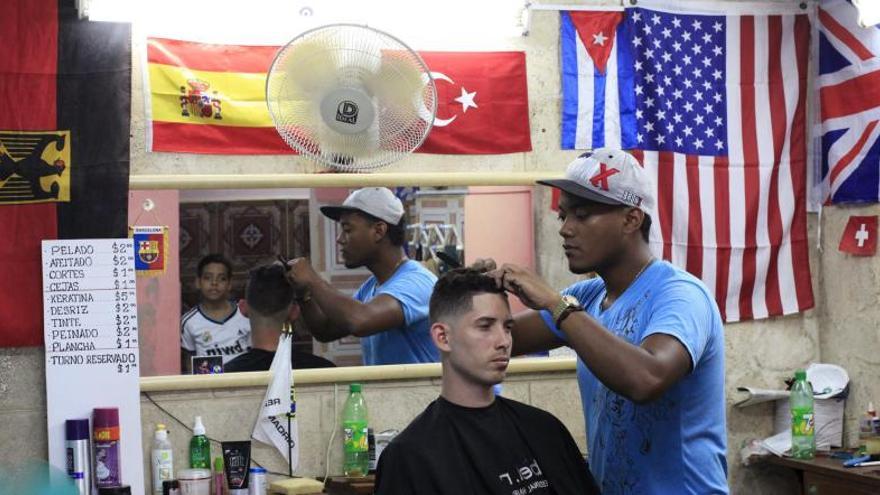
[
  {"x": 633, "y": 219},
  {"x": 243, "y": 307},
  {"x": 379, "y": 230},
  {"x": 440, "y": 336}
]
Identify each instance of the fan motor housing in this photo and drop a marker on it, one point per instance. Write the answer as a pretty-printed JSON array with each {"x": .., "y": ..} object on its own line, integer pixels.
[{"x": 348, "y": 110}]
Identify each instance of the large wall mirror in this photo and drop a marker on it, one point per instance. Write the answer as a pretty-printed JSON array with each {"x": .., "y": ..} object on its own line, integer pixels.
[{"x": 251, "y": 227}]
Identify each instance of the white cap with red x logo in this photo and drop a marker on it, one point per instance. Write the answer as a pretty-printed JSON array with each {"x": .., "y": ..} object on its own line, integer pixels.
[{"x": 608, "y": 176}]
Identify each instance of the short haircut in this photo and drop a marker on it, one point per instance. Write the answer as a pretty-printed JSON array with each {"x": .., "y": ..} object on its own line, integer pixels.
[
  {"x": 454, "y": 293},
  {"x": 396, "y": 233},
  {"x": 214, "y": 258},
  {"x": 268, "y": 291},
  {"x": 646, "y": 228}
]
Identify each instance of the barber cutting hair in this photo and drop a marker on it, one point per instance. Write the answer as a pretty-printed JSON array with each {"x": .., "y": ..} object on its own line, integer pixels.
[
  {"x": 390, "y": 310},
  {"x": 648, "y": 336}
]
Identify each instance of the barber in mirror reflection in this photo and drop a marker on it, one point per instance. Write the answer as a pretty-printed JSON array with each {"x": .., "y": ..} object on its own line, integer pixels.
[
  {"x": 648, "y": 336},
  {"x": 389, "y": 312}
]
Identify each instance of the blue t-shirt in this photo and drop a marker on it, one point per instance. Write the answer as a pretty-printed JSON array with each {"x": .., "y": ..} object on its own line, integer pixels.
[
  {"x": 411, "y": 285},
  {"x": 677, "y": 443}
]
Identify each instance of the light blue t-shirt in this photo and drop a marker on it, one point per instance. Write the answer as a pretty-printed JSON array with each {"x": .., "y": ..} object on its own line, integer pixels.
[
  {"x": 412, "y": 286},
  {"x": 676, "y": 444}
]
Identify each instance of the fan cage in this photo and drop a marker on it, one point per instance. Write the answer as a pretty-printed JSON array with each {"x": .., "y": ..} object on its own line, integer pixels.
[{"x": 351, "y": 56}]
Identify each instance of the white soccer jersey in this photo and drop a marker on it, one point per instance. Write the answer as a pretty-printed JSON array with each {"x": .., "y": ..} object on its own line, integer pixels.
[{"x": 207, "y": 337}]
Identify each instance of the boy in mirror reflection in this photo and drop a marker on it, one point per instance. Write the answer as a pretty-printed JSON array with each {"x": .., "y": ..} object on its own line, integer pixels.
[
  {"x": 215, "y": 326},
  {"x": 270, "y": 306},
  {"x": 389, "y": 312},
  {"x": 470, "y": 441}
]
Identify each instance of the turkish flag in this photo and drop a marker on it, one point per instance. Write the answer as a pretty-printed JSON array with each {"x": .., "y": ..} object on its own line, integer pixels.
[
  {"x": 860, "y": 236},
  {"x": 482, "y": 103}
]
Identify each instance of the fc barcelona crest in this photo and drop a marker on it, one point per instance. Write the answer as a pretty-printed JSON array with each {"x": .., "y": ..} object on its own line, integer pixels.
[
  {"x": 34, "y": 167},
  {"x": 148, "y": 251},
  {"x": 151, "y": 249}
]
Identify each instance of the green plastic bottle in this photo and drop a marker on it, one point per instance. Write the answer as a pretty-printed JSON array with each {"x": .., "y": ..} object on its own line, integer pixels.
[
  {"x": 199, "y": 447},
  {"x": 803, "y": 439},
  {"x": 356, "y": 461}
]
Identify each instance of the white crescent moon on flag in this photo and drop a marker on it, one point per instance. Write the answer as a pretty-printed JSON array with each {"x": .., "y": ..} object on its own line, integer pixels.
[{"x": 426, "y": 114}]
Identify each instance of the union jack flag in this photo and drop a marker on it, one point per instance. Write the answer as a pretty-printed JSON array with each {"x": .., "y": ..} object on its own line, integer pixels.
[
  {"x": 849, "y": 97},
  {"x": 714, "y": 104}
]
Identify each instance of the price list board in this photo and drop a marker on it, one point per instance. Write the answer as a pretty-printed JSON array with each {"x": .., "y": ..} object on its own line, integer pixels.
[{"x": 90, "y": 326}]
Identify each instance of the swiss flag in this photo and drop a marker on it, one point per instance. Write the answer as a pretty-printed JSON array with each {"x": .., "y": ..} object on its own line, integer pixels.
[
  {"x": 860, "y": 236},
  {"x": 482, "y": 103}
]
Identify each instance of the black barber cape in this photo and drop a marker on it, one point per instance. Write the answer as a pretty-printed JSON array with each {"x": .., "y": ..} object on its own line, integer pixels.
[
  {"x": 261, "y": 360},
  {"x": 507, "y": 448}
]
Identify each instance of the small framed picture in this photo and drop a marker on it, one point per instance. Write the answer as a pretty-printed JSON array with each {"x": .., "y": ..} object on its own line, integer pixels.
[{"x": 207, "y": 365}]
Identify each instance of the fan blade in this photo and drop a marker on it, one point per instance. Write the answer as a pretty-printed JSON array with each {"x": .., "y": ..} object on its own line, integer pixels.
[
  {"x": 321, "y": 72},
  {"x": 397, "y": 83}
]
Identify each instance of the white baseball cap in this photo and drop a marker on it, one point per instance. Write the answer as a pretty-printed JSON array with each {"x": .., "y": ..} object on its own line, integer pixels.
[
  {"x": 608, "y": 176},
  {"x": 379, "y": 202}
]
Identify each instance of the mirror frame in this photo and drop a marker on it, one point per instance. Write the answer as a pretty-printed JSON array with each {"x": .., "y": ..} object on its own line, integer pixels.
[{"x": 345, "y": 373}]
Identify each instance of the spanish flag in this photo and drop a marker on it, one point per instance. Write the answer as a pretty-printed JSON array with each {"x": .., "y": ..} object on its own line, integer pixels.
[
  {"x": 65, "y": 95},
  {"x": 211, "y": 98}
]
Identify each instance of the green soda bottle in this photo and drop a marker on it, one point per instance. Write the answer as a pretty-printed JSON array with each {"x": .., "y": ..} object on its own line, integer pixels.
[
  {"x": 803, "y": 440},
  {"x": 354, "y": 428}
]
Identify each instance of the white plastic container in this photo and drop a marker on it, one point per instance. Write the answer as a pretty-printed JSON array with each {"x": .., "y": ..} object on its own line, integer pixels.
[
  {"x": 195, "y": 482},
  {"x": 257, "y": 483}
]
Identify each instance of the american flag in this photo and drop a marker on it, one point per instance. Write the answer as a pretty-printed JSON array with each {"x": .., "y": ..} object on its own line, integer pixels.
[
  {"x": 715, "y": 107},
  {"x": 849, "y": 65}
]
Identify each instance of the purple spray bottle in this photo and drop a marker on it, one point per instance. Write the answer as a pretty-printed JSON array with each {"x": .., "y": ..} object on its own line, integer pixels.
[{"x": 106, "y": 429}]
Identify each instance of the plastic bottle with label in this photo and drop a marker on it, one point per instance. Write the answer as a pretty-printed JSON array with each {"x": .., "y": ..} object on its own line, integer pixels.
[
  {"x": 199, "y": 447},
  {"x": 354, "y": 428},
  {"x": 161, "y": 458},
  {"x": 803, "y": 439}
]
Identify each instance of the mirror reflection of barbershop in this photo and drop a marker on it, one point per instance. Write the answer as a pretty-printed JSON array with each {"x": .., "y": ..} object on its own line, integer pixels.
[{"x": 251, "y": 227}]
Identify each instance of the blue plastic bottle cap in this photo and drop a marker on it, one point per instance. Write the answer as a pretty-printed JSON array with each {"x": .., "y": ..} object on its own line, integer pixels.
[{"x": 258, "y": 470}]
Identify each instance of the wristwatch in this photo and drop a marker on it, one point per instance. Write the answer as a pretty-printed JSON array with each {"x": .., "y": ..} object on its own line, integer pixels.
[{"x": 566, "y": 306}]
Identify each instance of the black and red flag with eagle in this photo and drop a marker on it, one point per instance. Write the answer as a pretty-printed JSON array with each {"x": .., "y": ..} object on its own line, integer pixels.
[{"x": 65, "y": 95}]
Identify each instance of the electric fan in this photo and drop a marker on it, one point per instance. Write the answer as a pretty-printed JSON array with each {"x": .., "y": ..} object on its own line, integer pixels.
[{"x": 350, "y": 96}]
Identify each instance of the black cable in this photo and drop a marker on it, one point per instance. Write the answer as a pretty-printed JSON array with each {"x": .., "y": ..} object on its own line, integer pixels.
[{"x": 187, "y": 428}]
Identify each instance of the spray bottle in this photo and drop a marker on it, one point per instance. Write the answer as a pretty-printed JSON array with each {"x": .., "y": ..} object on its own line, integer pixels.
[
  {"x": 78, "y": 454},
  {"x": 199, "y": 447},
  {"x": 161, "y": 458}
]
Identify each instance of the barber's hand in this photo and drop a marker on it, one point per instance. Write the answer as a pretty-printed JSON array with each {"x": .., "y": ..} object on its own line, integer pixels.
[
  {"x": 527, "y": 286},
  {"x": 483, "y": 265},
  {"x": 300, "y": 274}
]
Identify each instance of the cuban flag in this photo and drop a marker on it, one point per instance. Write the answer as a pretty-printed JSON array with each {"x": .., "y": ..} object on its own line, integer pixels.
[
  {"x": 597, "y": 80},
  {"x": 712, "y": 101},
  {"x": 849, "y": 98}
]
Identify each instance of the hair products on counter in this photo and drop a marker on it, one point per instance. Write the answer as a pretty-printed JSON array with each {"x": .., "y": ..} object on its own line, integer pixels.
[
  {"x": 78, "y": 454},
  {"x": 106, "y": 431},
  {"x": 236, "y": 461},
  {"x": 171, "y": 487},
  {"x": 257, "y": 484},
  {"x": 195, "y": 482},
  {"x": 218, "y": 476},
  {"x": 161, "y": 458},
  {"x": 199, "y": 447}
]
